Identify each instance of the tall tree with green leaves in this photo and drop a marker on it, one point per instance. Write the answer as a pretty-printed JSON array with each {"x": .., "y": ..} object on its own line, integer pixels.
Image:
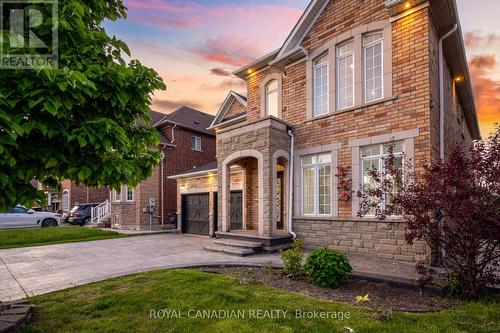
[{"x": 82, "y": 120}]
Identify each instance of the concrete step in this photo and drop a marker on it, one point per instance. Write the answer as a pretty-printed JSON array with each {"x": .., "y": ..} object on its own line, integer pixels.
[
  {"x": 237, "y": 251},
  {"x": 256, "y": 246}
]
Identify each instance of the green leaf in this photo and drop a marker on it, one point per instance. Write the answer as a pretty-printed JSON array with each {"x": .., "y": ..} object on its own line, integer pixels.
[{"x": 51, "y": 162}]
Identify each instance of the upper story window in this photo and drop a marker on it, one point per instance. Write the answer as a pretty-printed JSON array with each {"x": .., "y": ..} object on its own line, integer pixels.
[
  {"x": 117, "y": 195},
  {"x": 373, "y": 157},
  {"x": 317, "y": 184},
  {"x": 345, "y": 75},
  {"x": 196, "y": 143},
  {"x": 272, "y": 102},
  {"x": 373, "y": 56},
  {"x": 130, "y": 194},
  {"x": 320, "y": 86}
]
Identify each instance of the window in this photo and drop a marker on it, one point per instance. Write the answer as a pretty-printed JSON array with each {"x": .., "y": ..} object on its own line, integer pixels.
[
  {"x": 316, "y": 184},
  {"x": 373, "y": 50},
  {"x": 130, "y": 193},
  {"x": 65, "y": 200},
  {"x": 373, "y": 157},
  {"x": 320, "y": 86},
  {"x": 272, "y": 95},
  {"x": 117, "y": 195},
  {"x": 345, "y": 75},
  {"x": 196, "y": 143}
]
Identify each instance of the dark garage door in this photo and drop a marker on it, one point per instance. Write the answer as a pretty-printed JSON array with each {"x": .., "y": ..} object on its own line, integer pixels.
[{"x": 195, "y": 214}]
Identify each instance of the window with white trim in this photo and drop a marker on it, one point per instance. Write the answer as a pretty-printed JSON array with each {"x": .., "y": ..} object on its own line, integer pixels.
[
  {"x": 373, "y": 58},
  {"x": 345, "y": 75},
  {"x": 320, "y": 86},
  {"x": 117, "y": 195},
  {"x": 373, "y": 157},
  {"x": 317, "y": 184},
  {"x": 272, "y": 95},
  {"x": 130, "y": 193},
  {"x": 196, "y": 143}
]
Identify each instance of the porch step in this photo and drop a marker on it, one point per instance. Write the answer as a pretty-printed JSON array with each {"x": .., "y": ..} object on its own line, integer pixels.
[
  {"x": 233, "y": 250},
  {"x": 256, "y": 246}
]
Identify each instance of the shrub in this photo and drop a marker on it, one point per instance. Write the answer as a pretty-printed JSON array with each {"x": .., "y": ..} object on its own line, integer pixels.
[
  {"x": 292, "y": 259},
  {"x": 453, "y": 206},
  {"x": 327, "y": 267}
]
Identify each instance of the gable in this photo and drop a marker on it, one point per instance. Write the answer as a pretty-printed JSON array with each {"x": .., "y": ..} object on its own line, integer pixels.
[{"x": 233, "y": 108}]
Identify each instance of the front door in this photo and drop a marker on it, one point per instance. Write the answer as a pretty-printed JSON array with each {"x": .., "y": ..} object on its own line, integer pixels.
[
  {"x": 236, "y": 210},
  {"x": 280, "y": 186}
]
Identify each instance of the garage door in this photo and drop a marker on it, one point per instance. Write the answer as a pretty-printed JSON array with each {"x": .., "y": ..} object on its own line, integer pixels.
[{"x": 195, "y": 214}]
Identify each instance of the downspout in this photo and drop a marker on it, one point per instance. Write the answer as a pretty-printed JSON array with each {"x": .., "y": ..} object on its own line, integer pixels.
[
  {"x": 290, "y": 191},
  {"x": 162, "y": 186},
  {"x": 173, "y": 134},
  {"x": 441, "y": 92}
]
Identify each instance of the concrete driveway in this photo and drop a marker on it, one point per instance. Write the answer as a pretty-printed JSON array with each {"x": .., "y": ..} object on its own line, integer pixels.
[{"x": 39, "y": 270}]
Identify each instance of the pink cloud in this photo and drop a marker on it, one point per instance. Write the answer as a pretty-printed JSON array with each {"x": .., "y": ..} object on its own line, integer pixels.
[{"x": 157, "y": 5}]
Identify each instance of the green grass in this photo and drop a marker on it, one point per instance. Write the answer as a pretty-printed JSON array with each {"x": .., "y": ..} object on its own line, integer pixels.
[
  {"x": 124, "y": 305},
  {"x": 14, "y": 238}
]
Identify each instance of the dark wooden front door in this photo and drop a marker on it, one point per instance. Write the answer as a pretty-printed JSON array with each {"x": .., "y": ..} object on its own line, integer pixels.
[
  {"x": 280, "y": 191},
  {"x": 195, "y": 214},
  {"x": 236, "y": 210}
]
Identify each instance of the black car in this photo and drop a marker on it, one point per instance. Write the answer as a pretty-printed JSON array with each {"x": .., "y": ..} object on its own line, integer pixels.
[{"x": 80, "y": 214}]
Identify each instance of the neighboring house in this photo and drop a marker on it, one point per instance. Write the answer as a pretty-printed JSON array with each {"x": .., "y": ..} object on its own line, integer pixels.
[
  {"x": 73, "y": 194},
  {"x": 350, "y": 78},
  {"x": 186, "y": 144}
]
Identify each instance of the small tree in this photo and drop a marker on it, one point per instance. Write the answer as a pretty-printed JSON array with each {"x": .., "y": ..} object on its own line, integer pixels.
[{"x": 453, "y": 206}]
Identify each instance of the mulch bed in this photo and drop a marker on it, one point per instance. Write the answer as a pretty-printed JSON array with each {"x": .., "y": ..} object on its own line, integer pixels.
[{"x": 383, "y": 297}]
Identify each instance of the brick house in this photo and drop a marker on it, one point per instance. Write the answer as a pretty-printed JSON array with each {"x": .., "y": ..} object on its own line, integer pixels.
[
  {"x": 186, "y": 143},
  {"x": 351, "y": 77}
]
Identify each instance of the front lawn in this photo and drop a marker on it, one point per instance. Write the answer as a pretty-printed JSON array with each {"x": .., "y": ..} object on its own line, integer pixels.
[
  {"x": 14, "y": 238},
  {"x": 126, "y": 305}
]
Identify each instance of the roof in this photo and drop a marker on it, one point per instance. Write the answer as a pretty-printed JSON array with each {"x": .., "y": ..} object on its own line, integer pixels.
[
  {"x": 191, "y": 119},
  {"x": 207, "y": 168},
  {"x": 220, "y": 117},
  {"x": 156, "y": 117}
]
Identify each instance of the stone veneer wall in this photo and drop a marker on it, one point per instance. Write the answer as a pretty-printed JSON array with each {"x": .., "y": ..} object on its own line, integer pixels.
[{"x": 367, "y": 237}]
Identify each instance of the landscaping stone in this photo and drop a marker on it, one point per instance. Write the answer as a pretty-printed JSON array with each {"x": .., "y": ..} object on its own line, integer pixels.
[{"x": 14, "y": 315}]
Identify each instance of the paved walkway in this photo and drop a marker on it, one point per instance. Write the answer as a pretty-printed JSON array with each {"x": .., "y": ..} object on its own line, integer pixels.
[{"x": 38, "y": 270}]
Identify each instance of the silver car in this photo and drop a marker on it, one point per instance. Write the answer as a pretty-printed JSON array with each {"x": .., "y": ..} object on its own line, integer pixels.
[{"x": 21, "y": 217}]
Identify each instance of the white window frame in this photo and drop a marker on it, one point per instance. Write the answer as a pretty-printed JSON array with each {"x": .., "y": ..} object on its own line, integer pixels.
[
  {"x": 117, "y": 195},
  {"x": 196, "y": 143},
  {"x": 338, "y": 58},
  {"x": 381, "y": 155},
  {"x": 365, "y": 47},
  {"x": 268, "y": 93},
  {"x": 127, "y": 191},
  {"x": 315, "y": 67},
  {"x": 316, "y": 166}
]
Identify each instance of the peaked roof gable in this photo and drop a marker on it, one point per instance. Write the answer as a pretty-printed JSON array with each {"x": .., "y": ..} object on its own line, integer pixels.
[
  {"x": 231, "y": 98},
  {"x": 305, "y": 23}
]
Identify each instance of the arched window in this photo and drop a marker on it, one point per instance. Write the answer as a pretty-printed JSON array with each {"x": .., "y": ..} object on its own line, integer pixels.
[{"x": 272, "y": 96}]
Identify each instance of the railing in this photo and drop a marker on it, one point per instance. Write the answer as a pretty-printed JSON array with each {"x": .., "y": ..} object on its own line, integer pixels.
[{"x": 101, "y": 212}]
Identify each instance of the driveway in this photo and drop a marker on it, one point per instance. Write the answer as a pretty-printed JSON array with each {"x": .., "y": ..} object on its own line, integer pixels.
[{"x": 39, "y": 270}]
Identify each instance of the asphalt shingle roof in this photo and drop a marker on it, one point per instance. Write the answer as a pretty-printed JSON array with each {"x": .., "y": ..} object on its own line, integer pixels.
[{"x": 192, "y": 119}]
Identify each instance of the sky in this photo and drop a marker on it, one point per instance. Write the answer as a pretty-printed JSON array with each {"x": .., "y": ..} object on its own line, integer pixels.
[{"x": 195, "y": 45}]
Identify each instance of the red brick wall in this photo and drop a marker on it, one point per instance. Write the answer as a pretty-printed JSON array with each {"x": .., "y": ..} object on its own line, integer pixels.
[
  {"x": 182, "y": 158},
  {"x": 83, "y": 194}
]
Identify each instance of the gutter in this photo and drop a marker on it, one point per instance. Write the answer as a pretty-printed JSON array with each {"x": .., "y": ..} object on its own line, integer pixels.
[
  {"x": 441, "y": 92},
  {"x": 162, "y": 188},
  {"x": 290, "y": 196}
]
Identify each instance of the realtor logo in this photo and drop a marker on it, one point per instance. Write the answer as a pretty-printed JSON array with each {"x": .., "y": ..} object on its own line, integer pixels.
[{"x": 29, "y": 36}]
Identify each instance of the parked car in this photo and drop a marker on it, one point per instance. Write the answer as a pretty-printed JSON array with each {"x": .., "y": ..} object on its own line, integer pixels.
[
  {"x": 22, "y": 217},
  {"x": 80, "y": 214}
]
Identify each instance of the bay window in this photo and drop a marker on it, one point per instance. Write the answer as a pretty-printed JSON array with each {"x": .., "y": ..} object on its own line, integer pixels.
[
  {"x": 345, "y": 75},
  {"x": 317, "y": 184},
  {"x": 373, "y": 58},
  {"x": 320, "y": 86}
]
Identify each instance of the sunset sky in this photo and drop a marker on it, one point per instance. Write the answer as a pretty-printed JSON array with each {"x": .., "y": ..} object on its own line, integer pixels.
[{"x": 195, "y": 45}]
